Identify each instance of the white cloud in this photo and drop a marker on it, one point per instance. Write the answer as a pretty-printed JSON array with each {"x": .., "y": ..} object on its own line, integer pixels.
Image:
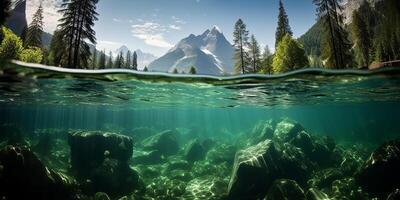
[
  {"x": 178, "y": 20},
  {"x": 50, "y": 12},
  {"x": 151, "y": 33},
  {"x": 174, "y": 27}
]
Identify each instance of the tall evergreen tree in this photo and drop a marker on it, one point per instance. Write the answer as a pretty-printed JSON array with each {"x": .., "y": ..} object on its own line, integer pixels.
[
  {"x": 77, "y": 26},
  {"x": 289, "y": 55},
  {"x": 128, "y": 60},
  {"x": 110, "y": 63},
  {"x": 336, "y": 47},
  {"x": 102, "y": 60},
  {"x": 241, "y": 40},
  {"x": 192, "y": 70},
  {"x": 35, "y": 30},
  {"x": 283, "y": 25},
  {"x": 361, "y": 38},
  {"x": 58, "y": 49},
  {"x": 266, "y": 60},
  {"x": 5, "y": 7},
  {"x": 94, "y": 59},
  {"x": 255, "y": 53},
  {"x": 119, "y": 61},
  {"x": 134, "y": 61}
]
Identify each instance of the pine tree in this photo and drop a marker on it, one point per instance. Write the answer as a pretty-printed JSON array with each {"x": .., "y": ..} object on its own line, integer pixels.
[
  {"x": 175, "y": 71},
  {"x": 94, "y": 59},
  {"x": 336, "y": 47},
  {"x": 110, "y": 63},
  {"x": 240, "y": 39},
  {"x": 128, "y": 60},
  {"x": 283, "y": 25},
  {"x": 134, "y": 61},
  {"x": 266, "y": 60},
  {"x": 5, "y": 7},
  {"x": 361, "y": 37},
  {"x": 145, "y": 69},
  {"x": 58, "y": 52},
  {"x": 192, "y": 70},
  {"x": 119, "y": 61},
  {"x": 77, "y": 26},
  {"x": 102, "y": 60},
  {"x": 255, "y": 53},
  {"x": 35, "y": 30}
]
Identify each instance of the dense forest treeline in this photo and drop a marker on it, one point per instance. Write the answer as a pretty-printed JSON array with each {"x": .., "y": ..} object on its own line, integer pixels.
[{"x": 371, "y": 37}]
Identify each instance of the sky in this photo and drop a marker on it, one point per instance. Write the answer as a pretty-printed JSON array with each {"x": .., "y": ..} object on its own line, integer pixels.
[{"x": 155, "y": 26}]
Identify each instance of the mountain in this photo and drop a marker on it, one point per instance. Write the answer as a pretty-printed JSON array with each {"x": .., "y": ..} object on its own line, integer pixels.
[
  {"x": 17, "y": 21},
  {"x": 144, "y": 59},
  {"x": 210, "y": 53},
  {"x": 352, "y": 5}
]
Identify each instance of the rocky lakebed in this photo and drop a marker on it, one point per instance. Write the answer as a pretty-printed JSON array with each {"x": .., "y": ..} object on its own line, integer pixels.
[{"x": 275, "y": 160}]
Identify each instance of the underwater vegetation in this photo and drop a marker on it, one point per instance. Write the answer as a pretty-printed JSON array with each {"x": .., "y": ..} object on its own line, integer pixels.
[{"x": 276, "y": 159}]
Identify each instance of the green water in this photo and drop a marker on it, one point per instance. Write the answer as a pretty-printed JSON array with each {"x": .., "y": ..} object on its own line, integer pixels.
[{"x": 355, "y": 108}]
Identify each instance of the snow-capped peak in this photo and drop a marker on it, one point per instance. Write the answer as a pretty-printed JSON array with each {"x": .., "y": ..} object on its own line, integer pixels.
[{"x": 216, "y": 29}]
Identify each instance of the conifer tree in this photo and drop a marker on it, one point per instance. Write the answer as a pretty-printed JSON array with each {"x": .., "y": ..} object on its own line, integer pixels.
[
  {"x": 110, "y": 63},
  {"x": 94, "y": 59},
  {"x": 119, "y": 61},
  {"x": 145, "y": 69},
  {"x": 134, "y": 61},
  {"x": 102, "y": 60},
  {"x": 283, "y": 25},
  {"x": 77, "y": 26},
  {"x": 255, "y": 53},
  {"x": 128, "y": 60},
  {"x": 35, "y": 30},
  {"x": 192, "y": 70},
  {"x": 361, "y": 37},
  {"x": 240, "y": 39},
  {"x": 58, "y": 49},
  {"x": 175, "y": 71},
  {"x": 336, "y": 47},
  {"x": 266, "y": 60}
]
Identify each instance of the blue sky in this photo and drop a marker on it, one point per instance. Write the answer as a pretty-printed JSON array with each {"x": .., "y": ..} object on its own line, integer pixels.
[{"x": 156, "y": 25}]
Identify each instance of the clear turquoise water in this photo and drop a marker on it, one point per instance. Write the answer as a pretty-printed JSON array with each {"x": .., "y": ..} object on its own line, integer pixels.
[
  {"x": 355, "y": 108},
  {"x": 346, "y": 104}
]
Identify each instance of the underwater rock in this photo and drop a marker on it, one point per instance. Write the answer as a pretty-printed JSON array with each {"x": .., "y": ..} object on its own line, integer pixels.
[
  {"x": 262, "y": 131},
  {"x": 285, "y": 189},
  {"x": 149, "y": 158},
  {"x": 23, "y": 176},
  {"x": 195, "y": 151},
  {"x": 222, "y": 153},
  {"x": 314, "y": 194},
  {"x": 347, "y": 188},
  {"x": 254, "y": 171},
  {"x": 164, "y": 188},
  {"x": 174, "y": 165},
  {"x": 395, "y": 195},
  {"x": 101, "y": 196},
  {"x": 209, "y": 187},
  {"x": 380, "y": 174},
  {"x": 256, "y": 168},
  {"x": 325, "y": 178},
  {"x": 114, "y": 178},
  {"x": 165, "y": 142},
  {"x": 88, "y": 149},
  {"x": 286, "y": 130},
  {"x": 304, "y": 141}
]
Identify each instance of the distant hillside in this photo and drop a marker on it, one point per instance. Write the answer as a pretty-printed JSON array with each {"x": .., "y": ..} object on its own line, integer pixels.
[{"x": 311, "y": 40}]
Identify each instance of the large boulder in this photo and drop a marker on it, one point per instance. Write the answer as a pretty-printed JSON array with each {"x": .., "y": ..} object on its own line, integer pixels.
[
  {"x": 195, "y": 151},
  {"x": 165, "y": 142},
  {"x": 285, "y": 189},
  {"x": 257, "y": 167},
  {"x": 380, "y": 174},
  {"x": 315, "y": 194},
  {"x": 102, "y": 158},
  {"x": 23, "y": 176},
  {"x": 90, "y": 148},
  {"x": 286, "y": 130}
]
